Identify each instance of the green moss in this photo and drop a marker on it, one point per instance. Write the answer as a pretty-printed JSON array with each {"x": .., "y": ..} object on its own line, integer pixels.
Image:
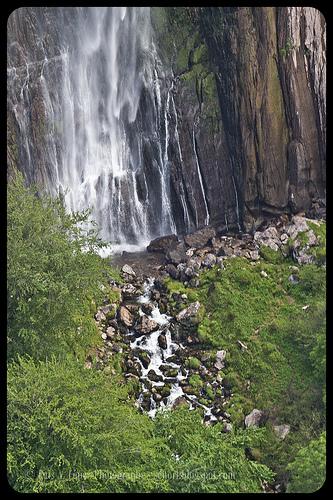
[
  {"x": 193, "y": 363},
  {"x": 270, "y": 255},
  {"x": 195, "y": 381},
  {"x": 210, "y": 393}
]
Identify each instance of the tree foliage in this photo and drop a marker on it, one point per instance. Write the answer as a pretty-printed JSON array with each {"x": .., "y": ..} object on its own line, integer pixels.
[
  {"x": 73, "y": 430},
  {"x": 308, "y": 470},
  {"x": 53, "y": 273}
]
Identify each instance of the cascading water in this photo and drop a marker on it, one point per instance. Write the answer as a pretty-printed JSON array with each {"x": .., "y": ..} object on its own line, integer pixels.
[
  {"x": 105, "y": 105},
  {"x": 160, "y": 358}
]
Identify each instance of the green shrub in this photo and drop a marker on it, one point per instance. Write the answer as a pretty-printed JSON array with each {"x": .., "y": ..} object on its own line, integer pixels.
[
  {"x": 69, "y": 427},
  {"x": 308, "y": 470},
  {"x": 53, "y": 274}
]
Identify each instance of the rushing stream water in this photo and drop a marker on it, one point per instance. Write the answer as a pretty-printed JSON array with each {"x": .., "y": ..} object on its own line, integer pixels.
[{"x": 159, "y": 358}]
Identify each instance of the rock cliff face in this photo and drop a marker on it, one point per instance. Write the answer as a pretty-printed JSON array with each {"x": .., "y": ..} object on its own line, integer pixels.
[
  {"x": 246, "y": 94},
  {"x": 269, "y": 68}
]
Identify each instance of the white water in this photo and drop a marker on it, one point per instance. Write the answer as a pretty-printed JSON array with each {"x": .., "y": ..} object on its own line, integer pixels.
[
  {"x": 159, "y": 357},
  {"x": 105, "y": 102},
  {"x": 200, "y": 178}
]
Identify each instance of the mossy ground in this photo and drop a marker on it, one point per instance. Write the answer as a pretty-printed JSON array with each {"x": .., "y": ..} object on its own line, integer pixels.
[{"x": 276, "y": 372}]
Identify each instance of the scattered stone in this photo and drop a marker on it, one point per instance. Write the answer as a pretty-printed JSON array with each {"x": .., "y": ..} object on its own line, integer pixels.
[
  {"x": 293, "y": 279},
  {"x": 253, "y": 255},
  {"x": 126, "y": 269},
  {"x": 188, "y": 313},
  {"x": 281, "y": 430},
  {"x": 200, "y": 238},
  {"x": 100, "y": 316},
  {"x": 209, "y": 260},
  {"x": 147, "y": 308},
  {"x": 220, "y": 357},
  {"x": 144, "y": 358},
  {"x": 152, "y": 375},
  {"x": 125, "y": 316},
  {"x": 305, "y": 307},
  {"x": 264, "y": 274},
  {"x": 181, "y": 401},
  {"x": 162, "y": 341},
  {"x": 254, "y": 418},
  {"x": 146, "y": 325},
  {"x": 241, "y": 345},
  {"x": 104, "y": 336},
  {"x": 163, "y": 244},
  {"x": 107, "y": 309},
  {"x": 227, "y": 427},
  {"x": 172, "y": 271},
  {"x": 129, "y": 291},
  {"x": 190, "y": 272}
]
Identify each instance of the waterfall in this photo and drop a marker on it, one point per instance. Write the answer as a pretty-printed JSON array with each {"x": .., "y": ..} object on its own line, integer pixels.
[{"x": 104, "y": 119}]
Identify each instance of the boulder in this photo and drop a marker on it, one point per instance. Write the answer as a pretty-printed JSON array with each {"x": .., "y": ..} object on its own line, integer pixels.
[
  {"x": 254, "y": 418},
  {"x": 194, "y": 262},
  {"x": 270, "y": 237},
  {"x": 177, "y": 254},
  {"x": 190, "y": 272},
  {"x": 146, "y": 325},
  {"x": 163, "y": 243},
  {"x": 147, "y": 308},
  {"x": 100, "y": 316},
  {"x": 143, "y": 357},
  {"x": 209, "y": 260},
  {"x": 281, "y": 430},
  {"x": 220, "y": 357},
  {"x": 253, "y": 255},
  {"x": 129, "y": 291},
  {"x": 169, "y": 371},
  {"x": 162, "y": 341},
  {"x": 125, "y": 316},
  {"x": 189, "y": 313},
  {"x": 181, "y": 401},
  {"x": 110, "y": 332},
  {"x": 200, "y": 238},
  {"x": 126, "y": 269},
  {"x": 152, "y": 375},
  {"x": 172, "y": 271},
  {"x": 294, "y": 279}
]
